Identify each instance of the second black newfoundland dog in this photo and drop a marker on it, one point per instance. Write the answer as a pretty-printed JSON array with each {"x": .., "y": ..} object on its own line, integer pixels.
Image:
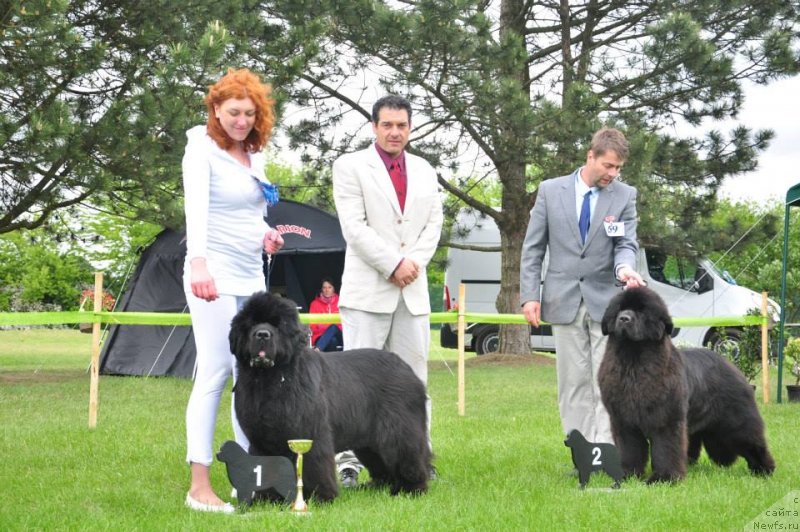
[
  {"x": 365, "y": 400},
  {"x": 668, "y": 403}
]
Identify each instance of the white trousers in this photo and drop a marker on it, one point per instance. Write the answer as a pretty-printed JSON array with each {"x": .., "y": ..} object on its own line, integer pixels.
[
  {"x": 211, "y": 322},
  {"x": 580, "y": 347},
  {"x": 399, "y": 332}
]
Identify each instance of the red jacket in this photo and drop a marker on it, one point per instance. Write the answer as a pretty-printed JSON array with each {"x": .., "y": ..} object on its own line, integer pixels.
[{"x": 318, "y": 306}]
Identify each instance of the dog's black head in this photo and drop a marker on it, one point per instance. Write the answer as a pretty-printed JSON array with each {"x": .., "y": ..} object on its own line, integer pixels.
[
  {"x": 267, "y": 331},
  {"x": 637, "y": 314}
]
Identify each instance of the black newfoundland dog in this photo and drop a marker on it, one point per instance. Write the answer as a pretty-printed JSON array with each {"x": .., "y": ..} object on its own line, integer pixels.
[
  {"x": 667, "y": 402},
  {"x": 365, "y": 400}
]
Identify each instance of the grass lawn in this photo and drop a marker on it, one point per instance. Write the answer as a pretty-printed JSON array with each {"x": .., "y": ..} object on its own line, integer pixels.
[{"x": 503, "y": 466}]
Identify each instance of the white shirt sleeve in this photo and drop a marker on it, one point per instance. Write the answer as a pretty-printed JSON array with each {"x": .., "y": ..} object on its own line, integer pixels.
[{"x": 196, "y": 186}]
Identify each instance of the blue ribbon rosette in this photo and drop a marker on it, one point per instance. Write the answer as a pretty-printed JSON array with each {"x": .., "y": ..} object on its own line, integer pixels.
[{"x": 270, "y": 193}]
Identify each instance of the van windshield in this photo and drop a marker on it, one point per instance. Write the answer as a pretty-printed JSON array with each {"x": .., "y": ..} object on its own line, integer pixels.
[
  {"x": 681, "y": 272},
  {"x": 724, "y": 274}
]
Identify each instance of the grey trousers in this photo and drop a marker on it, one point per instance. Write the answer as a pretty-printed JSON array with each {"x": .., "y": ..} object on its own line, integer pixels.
[{"x": 580, "y": 347}]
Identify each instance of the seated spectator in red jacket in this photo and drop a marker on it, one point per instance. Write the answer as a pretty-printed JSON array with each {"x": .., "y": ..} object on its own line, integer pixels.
[{"x": 324, "y": 336}]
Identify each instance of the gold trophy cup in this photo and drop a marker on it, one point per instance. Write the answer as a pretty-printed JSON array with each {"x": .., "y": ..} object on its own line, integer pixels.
[{"x": 300, "y": 447}]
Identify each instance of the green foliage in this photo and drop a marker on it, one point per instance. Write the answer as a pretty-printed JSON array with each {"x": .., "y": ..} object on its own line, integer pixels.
[
  {"x": 791, "y": 356},
  {"x": 303, "y": 185},
  {"x": 115, "y": 244},
  {"x": 749, "y": 244},
  {"x": 36, "y": 273},
  {"x": 746, "y": 353},
  {"x": 97, "y": 97},
  {"x": 48, "y": 267}
]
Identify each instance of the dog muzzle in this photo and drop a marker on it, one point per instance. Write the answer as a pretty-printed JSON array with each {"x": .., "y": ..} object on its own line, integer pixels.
[
  {"x": 262, "y": 338},
  {"x": 261, "y": 361}
]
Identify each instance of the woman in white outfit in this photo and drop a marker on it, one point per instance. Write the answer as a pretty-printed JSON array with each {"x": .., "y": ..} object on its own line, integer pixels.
[{"x": 226, "y": 197}]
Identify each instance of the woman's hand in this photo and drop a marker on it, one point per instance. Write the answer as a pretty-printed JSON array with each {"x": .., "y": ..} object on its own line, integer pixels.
[
  {"x": 273, "y": 241},
  {"x": 202, "y": 283}
]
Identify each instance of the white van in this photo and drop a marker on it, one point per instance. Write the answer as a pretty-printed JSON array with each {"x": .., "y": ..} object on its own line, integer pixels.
[{"x": 690, "y": 289}]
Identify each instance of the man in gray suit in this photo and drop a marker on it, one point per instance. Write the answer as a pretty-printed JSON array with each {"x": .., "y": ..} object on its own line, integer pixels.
[
  {"x": 391, "y": 215},
  {"x": 586, "y": 221}
]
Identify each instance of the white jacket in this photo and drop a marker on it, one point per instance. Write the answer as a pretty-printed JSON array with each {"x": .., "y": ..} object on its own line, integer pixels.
[
  {"x": 379, "y": 235},
  {"x": 225, "y": 212}
]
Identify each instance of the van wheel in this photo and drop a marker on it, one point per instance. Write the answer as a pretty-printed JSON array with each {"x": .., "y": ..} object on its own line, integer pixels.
[
  {"x": 487, "y": 341},
  {"x": 725, "y": 342}
]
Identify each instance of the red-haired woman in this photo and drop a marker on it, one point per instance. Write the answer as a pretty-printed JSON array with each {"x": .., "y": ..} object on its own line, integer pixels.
[{"x": 226, "y": 197}]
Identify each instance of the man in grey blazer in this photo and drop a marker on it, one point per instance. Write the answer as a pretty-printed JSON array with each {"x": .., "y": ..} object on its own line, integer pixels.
[
  {"x": 582, "y": 272},
  {"x": 391, "y": 215}
]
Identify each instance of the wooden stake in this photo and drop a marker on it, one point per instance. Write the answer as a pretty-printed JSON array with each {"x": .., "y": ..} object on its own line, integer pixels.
[
  {"x": 461, "y": 326},
  {"x": 764, "y": 349},
  {"x": 95, "y": 366}
]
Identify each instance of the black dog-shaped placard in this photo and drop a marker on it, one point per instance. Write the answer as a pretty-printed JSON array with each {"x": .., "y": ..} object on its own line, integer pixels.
[
  {"x": 589, "y": 457},
  {"x": 252, "y": 474}
]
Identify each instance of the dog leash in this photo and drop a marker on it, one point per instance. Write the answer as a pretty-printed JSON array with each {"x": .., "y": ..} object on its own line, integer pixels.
[{"x": 269, "y": 270}]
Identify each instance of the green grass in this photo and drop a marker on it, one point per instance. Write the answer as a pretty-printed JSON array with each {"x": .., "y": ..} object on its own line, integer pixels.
[{"x": 503, "y": 466}]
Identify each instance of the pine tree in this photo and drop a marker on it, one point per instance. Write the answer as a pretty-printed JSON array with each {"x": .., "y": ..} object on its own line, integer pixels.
[
  {"x": 95, "y": 98},
  {"x": 523, "y": 84}
]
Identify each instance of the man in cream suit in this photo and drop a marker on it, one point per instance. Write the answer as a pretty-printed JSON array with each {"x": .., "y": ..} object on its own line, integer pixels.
[
  {"x": 391, "y": 216},
  {"x": 582, "y": 272}
]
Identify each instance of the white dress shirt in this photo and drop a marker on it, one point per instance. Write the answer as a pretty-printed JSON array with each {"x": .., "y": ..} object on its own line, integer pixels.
[{"x": 580, "y": 191}]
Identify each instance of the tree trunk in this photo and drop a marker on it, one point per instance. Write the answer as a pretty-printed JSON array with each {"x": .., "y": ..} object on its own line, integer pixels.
[
  {"x": 513, "y": 218},
  {"x": 514, "y": 339}
]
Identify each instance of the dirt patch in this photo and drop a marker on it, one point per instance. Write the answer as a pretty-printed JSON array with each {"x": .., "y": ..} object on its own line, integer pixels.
[
  {"x": 495, "y": 359},
  {"x": 501, "y": 359},
  {"x": 36, "y": 377}
]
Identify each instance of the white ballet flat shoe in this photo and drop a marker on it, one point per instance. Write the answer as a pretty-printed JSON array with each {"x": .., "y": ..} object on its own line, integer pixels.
[{"x": 198, "y": 506}]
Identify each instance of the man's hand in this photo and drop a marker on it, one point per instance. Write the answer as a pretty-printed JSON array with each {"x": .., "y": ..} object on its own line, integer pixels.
[
  {"x": 273, "y": 241},
  {"x": 630, "y": 277},
  {"x": 533, "y": 312},
  {"x": 405, "y": 273}
]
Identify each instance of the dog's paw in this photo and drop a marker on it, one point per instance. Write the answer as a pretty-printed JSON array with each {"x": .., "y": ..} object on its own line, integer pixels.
[
  {"x": 322, "y": 496},
  {"x": 670, "y": 478},
  {"x": 762, "y": 470},
  {"x": 628, "y": 473},
  {"x": 409, "y": 490}
]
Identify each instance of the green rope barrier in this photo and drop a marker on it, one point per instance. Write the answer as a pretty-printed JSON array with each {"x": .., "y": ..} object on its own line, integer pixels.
[{"x": 168, "y": 318}]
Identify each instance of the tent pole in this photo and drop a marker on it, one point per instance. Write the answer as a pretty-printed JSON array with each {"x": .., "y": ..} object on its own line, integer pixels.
[
  {"x": 764, "y": 348},
  {"x": 783, "y": 298}
]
